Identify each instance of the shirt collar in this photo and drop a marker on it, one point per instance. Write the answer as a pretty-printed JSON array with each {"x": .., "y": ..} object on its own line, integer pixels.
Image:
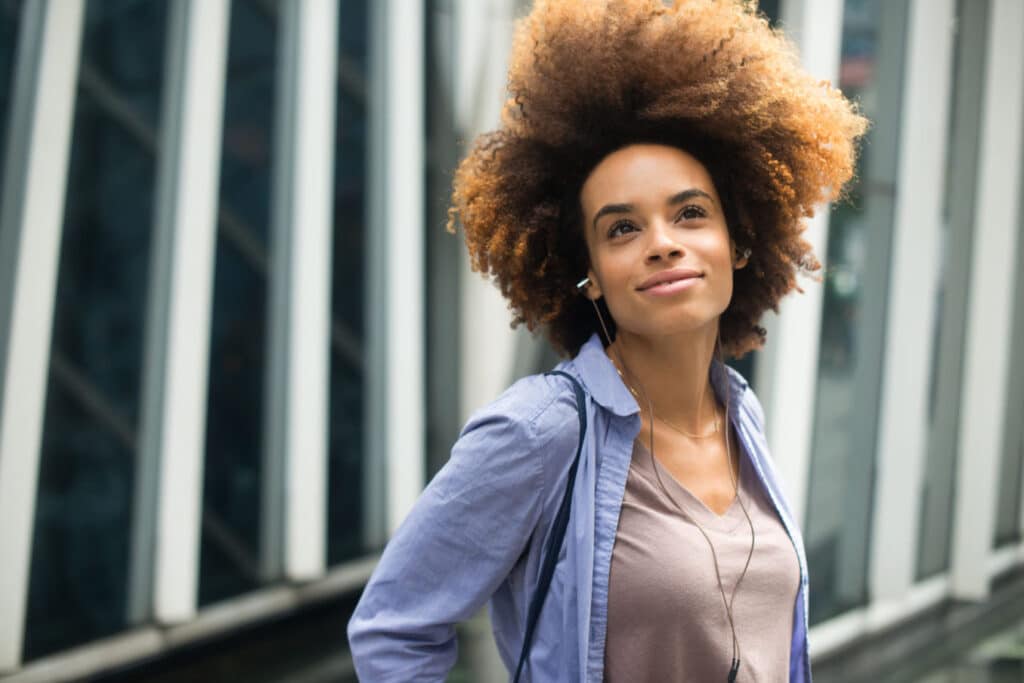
[
  {"x": 602, "y": 380},
  {"x": 737, "y": 385}
]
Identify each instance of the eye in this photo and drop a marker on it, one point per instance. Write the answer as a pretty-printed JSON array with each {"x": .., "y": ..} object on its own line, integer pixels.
[
  {"x": 691, "y": 211},
  {"x": 619, "y": 228}
]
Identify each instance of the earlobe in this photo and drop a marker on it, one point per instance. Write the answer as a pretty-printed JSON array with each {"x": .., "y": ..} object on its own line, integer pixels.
[
  {"x": 742, "y": 258},
  {"x": 592, "y": 291}
]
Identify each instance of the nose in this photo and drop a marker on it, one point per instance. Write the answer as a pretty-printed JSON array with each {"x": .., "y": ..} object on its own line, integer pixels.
[{"x": 662, "y": 244}]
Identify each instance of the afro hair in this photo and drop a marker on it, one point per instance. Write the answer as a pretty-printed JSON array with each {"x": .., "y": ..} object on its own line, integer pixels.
[{"x": 711, "y": 77}]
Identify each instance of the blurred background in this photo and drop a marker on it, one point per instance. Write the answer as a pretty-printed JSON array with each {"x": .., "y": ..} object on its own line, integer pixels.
[{"x": 236, "y": 340}]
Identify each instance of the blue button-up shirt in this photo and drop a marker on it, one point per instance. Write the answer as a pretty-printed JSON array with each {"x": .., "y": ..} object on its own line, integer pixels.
[{"x": 478, "y": 530}]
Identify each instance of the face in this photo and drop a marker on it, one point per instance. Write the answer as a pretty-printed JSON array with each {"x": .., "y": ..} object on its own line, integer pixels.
[{"x": 659, "y": 247}]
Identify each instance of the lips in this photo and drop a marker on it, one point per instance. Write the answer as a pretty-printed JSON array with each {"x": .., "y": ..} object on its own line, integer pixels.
[{"x": 667, "y": 276}]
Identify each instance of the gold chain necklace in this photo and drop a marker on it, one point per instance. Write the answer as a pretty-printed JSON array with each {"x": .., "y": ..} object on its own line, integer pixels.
[
  {"x": 692, "y": 436},
  {"x": 713, "y": 432}
]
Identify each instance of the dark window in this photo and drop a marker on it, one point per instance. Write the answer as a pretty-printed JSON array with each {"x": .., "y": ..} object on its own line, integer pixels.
[
  {"x": 938, "y": 488},
  {"x": 10, "y": 20},
  {"x": 233, "y": 474},
  {"x": 80, "y": 551},
  {"x": 346, "y": 502},
  {"x": 840, "y": 495}
]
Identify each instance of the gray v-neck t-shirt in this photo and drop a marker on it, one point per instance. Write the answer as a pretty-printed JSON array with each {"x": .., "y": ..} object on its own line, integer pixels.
[{"x": 666, "y": 618}]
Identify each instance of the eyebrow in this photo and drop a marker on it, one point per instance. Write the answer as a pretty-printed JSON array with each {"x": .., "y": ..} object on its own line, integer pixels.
[{"x": 677, "y": 198}]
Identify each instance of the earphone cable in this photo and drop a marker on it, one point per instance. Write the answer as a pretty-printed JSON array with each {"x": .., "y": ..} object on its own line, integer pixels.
[{"x": 727, "y": 603}]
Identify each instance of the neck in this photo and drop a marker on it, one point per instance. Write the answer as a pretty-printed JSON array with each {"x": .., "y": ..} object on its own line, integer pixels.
[{"x": 672, "y": 372}]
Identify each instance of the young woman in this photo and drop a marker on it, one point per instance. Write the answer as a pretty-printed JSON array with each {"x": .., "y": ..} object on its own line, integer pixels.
[{"x": 642, "y": 203}]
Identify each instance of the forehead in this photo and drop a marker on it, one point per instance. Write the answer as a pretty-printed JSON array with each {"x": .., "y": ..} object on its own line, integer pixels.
[{"x": 643, "y": 172}]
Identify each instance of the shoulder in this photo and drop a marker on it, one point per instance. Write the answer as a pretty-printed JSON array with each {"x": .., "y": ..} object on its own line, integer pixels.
[
  {"x": 533, "y": 420},
  {"x": 505, "y": 445},
  {"x": 752, "y": 404},
  {"x": 535, "y": 403},
  {"x": 748, "y": 402}
]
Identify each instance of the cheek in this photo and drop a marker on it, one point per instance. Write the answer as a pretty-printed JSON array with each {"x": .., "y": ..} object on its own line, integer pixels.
[
  {"x": 719, "y": 255},
  {"x": 614, "y": 275},
  {"x": 612, "y": 269},
  {"x": 725, "y": 283}
]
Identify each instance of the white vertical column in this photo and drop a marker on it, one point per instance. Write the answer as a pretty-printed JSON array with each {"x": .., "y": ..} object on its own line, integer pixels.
[
  {"x": 173, "y": 429},
  {"x": 1018, "y": 340},
  {"x": 816, "y": 27},
  {"x": 32, "y": 201},
  {"x": 404, "y": 118},
  {"x": 983, "y": 402},
  {"x": 488, "y": 344},
  {"x": 903, "y": 414},
  {"x": 295, "y": 502},
  {"x": 395, "y": 466},
  {"x": 1014, "y": 440}
]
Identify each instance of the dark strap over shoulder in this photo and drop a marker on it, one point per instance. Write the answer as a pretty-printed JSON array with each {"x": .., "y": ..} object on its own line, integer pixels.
[{"x": 557, "y": 535}]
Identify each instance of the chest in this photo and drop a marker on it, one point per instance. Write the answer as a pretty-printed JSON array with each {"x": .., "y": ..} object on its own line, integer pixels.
[
  {"x": 602, "y": 504},
  {"x": 706, "y": 468},
  {"x": 665, "y": 611}
]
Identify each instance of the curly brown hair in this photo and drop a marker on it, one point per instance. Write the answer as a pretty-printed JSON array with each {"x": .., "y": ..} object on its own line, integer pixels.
[{"x": 711, "y": 77}]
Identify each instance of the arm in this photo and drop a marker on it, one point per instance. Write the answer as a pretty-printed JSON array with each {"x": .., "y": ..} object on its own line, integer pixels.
[{"x": 451, "y": 553}]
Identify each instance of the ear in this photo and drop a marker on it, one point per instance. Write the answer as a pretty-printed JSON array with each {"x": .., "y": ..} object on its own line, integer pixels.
[
  {"x": 739, "y": 261},
  {"x": 593, "y": 290}
]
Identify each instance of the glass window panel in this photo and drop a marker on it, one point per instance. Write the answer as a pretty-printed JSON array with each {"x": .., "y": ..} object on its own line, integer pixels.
[
  {"x": 938, "y": 483},
  {"x": 443, "y": 250},
  {"x": 345, "y": 502},
  {"x": 1008, "y": 512},
  {"x": 853, "y": 318},
  {"x": 746, "y": 366},
  {"x": 80, "y": 550},
  {"x": 1008, "y": 520},
  {"x": 770, "y": 8},
  {"x": 233, "y": 475},
  {"x": 10, "y": 22}
]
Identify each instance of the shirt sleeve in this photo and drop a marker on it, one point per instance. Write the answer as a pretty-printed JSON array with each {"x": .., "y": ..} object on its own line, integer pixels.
[{"x": 456, "y": 546}]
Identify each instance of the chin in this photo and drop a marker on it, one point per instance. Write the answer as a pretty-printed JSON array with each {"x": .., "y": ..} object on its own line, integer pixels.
[{"x": 669, "y": 326}]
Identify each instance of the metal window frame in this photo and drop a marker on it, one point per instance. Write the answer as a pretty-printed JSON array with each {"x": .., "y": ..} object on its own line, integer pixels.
[
  {"x": 984, "y": 408},
  {"x": 903, "y": 412},
  {"x": 938, "y": 473},
  {"x": 35, "y": 183},
  {"x": 831, "y": 636},
  {"x": 169, "y": 486},
  {"x": 1013, "y": 438},
  {"x": 298, "y": 388},
  {"x": 151, "y": 641},
  {"x": 443, "y": 252},
  {"x": 791, "y": 352},
  {"x": 896, "y": 598},
  {"x": 489, "y": 348},
  {"x": 882, "y": 169},
  {"x": 1015, "y": 430}
]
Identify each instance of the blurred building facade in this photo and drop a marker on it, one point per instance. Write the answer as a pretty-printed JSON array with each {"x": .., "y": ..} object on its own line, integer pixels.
[{"x": 236, "y": 340}]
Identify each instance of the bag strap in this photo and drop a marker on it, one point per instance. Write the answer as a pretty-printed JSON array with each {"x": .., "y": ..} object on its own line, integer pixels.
[{"x": 558, "y": 527}]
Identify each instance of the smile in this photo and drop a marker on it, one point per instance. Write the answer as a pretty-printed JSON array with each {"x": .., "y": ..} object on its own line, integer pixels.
[
  {"x": 670, "y": 281},
  {"x": 672, "y": 286}
]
